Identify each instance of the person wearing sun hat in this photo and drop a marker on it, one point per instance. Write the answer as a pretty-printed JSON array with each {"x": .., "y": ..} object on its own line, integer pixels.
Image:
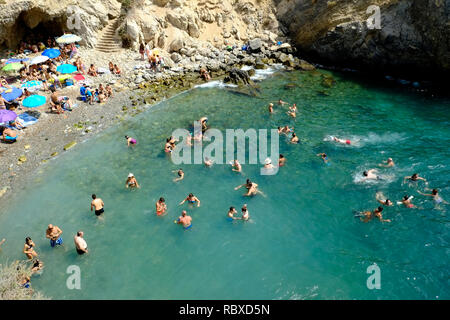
[
  {"x": 268, "y": 164},
  {"x": 131, "y": 181}
]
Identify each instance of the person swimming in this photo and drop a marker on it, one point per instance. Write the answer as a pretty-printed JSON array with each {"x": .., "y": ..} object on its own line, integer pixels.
[
  {"x": 191, "y": 199},
  {"x": 388, "y": 163},
  {"x": 294, "y": 138},
  {"x": 366, "y": 216},
  {"x": 231, "y": 213},
  {"x": 161, "y": 207},
  {"x": 169, "y": 146},
  {"x": 292, "y": 111},
  {"x": 180, "y": 175},
  {"x": 252, "y": 188},
  {"x": 406, "y": 201},
  {"x": 281, "y": 160},
  {"x": 323, "y": 156},
  {"x": 343, "y": 141},
  {"x": 415, "y": 177},
  {"x": 382, "y": 200},
  {"x": 436, "y": 197},
  {"x": 208, "y": 162},
  {"x": 130, "y": 141},
  {"x": 131, "y": 182},
  {"x": 370, "y": 175},
  {"x": 268, "y": 164}
]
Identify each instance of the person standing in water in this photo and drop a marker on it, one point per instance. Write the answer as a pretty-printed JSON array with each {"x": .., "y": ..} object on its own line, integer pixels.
[
  {"x": 388, "y": 163},
  {"x": 130, "y": 141},
  {"x": 270, "y": 108},
  {"x": 323, "y": 156},
  {"x": 185, "y": 220},
  {"x": 436, "y": 197},
  {"x": 236, "y": 166},
  {"x": 131, "y": 182},
  {"x": 28, "y": 248},
  {"x": 98, "y": 204},
  {"x": 292, "y": 111},
  {"x": 231, "y": 213},
  {"x": 161, "y": 207},
  {"x": 54, "y": 234},
  {"x": 80, "y": 243},
  {"x": 180, "y": 175},
  {"x": 245, "y": 213},
  {"x": 191, "y": 199},
  {"x": 252, "y": 188},
  {"x": 281, "y": 160},
  {"x": 366, "y": 216},
  {"x": 294, "y": 138}
]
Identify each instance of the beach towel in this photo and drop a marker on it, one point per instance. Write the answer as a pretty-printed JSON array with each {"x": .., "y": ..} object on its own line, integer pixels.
[{"x": 26, "y": 120}]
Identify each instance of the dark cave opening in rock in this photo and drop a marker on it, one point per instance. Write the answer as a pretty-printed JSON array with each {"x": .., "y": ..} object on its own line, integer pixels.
[{"x": 34, "y": 26}]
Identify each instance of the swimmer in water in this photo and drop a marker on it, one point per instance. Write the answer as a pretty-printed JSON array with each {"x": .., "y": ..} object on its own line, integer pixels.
[
  {"x": 294, "y": 138},
  {"x": 236, "y": 166},
  {"x": 208, "y": 162},
  {"x": 203, "y": 121},
  {"x": 281, "y": 160},
  {"x": 252, "y": 188},
  {"x": 28, "y": 248},
  {"x": 343, "y": 141},
  {"x": 415, "y": 177},
  {"x": 37, "y": 266},
  {"x": 436, "y": 197},
  {"x": 98, "y": 204},
  {"x": 245, "y": 213},
  {"x": 287, "y": 130},
  {"x": 388, "y": 163},
  {"x": 280, "y": 130},
  {"x": 168, "y": 146},
  {"x": 185, "y": 220},
  {"x": 381, "y": 199},
  {"x": 189, "y": 139},
  {"x": 270, "y": 107},
  {"x": 370, "y": 175},
  {"x": 323, "y": 156},
  {"x": 268, "y": 164},
  {"x": 282, "y": 103},
  {"x": 180, "y": 175},
  {"x": 366, "y": 216},
  {"x": 292, "y": 111},
  {"x": 131, "y": 182},
  {"x": 161, "y": 207},
  {"x": 231, "y": 213},
  {"x": 2, "y": 242},
  {"x": 191, "y": 199},
  {"x": 130, "y": 141},
  {"x": 407, "y": 202}
]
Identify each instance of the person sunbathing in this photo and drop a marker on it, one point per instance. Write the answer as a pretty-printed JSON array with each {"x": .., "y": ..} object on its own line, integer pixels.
[
  {"x": 55, "y": 103},
  {"x": 9, "y": 135},
  {"x": 4, "y": 83},
  {"x": 117, "y": 70},
  {"x": 92, "y": 71},
  {"x": 111, "y": 67}
]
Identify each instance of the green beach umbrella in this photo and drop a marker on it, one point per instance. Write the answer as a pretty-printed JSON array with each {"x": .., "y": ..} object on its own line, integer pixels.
[{"x": 13, "y": 66}]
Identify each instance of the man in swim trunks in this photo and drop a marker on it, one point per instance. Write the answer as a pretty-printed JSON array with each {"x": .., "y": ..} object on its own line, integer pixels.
[
  {"x": 185, "y": 220},
  {"x": 161, "y": 206},
  {"x": 342, "y": 140},
  {"x": 415, "y": 177},
  {"x": 130, "y": 141},
  {"x": 252, "y": 188},
  {"x": 98, "y": 204},
  {"x": 236, "y": 166},
  {"x": 366, "y": 216},
  {"x": 191, "y": 199},
  {"x": 231, "y": 213},
  {"x": 54, "y": 234},
  {"x": 180, "y": 175},
  {"x": 80, "y": 243},
  {"x": 436, "y": 197},
  {"x": 407, "y": 202}
]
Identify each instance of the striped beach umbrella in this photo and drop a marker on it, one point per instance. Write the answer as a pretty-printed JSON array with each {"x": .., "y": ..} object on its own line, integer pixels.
[
  {"x": 34, "y": 101},
  {"x": 68, "y": 38},
  {"x": 51, "y": 53}
]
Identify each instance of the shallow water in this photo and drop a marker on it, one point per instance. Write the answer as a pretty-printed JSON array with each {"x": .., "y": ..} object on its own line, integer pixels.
[{"x": 303, "y": 241}]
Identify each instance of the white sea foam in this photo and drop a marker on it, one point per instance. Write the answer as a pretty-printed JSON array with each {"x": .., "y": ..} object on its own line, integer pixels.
[{"x": 215, "y": 84}]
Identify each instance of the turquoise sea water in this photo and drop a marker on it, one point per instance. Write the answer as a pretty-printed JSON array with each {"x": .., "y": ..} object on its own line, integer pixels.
[{"x": 303, "y": 241}]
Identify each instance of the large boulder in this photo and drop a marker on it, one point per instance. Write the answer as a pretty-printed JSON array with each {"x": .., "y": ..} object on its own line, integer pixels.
[{"x": 255, "y": 45}]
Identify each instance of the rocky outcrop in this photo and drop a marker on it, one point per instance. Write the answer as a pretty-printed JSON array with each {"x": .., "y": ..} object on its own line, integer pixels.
[
  {"x": 82, "y": 17},
  {"x": 414, "y": 36}
]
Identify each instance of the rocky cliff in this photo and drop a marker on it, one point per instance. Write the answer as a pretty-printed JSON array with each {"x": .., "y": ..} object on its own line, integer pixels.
[{"x": 413, "y": 35}]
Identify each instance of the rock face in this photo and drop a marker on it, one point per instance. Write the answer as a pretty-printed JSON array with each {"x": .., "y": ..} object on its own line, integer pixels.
[
  {"x": 82, "y": 17},
  {"x": 238, "y": 77},
  {"x": 413, "y": 35}
]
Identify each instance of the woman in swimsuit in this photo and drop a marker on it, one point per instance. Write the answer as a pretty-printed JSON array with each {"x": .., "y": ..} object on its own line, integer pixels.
[
  {"x": 161, "y": 206},
  {"x": 131, "y": 182},
  {"x": 252, "y": 188},
  {"x": 281, "y": 160},
  {"x": 292, "y": 111},
  {"x": 245, "y": 213},
  {"x": 180, "y": 175},
  {"x": 130, "y": 141},
  {"x": 407, "y": 202},
  {"x": 191, "y": 199},
  {"x": 28, "y": 248},
  {"x": 436, "y": 197}
]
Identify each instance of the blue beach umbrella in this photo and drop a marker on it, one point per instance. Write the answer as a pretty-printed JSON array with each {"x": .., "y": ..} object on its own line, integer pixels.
[
  {"x": 11, "y": 94},
  {"x": 51, "y": 53},
  {"x": 66, "y": 68},
  {"x": 34, "y": 101},
  {"x": 16, "y": 60}
]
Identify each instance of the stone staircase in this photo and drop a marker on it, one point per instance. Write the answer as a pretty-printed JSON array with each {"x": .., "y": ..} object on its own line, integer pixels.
[{"x": 107, "y": 40}]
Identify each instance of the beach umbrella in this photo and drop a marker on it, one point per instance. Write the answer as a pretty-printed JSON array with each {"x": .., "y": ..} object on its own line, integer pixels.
[
  {"x": 51, "y": 53},
  {"x": 32, "y": 85},
  {"x": 11, "y": 94},
  {"x": 34, "y": 101},
  {"x": 79, "y": 77},
  {"x": 7, "y": 116},
  {"x": 66, "y": 68},
  {"x": 68, "y": 38},
  {"x": 16, "y": 60},
  {"x": 13, "y": 66},
  {"x": 39, "y": 59}
]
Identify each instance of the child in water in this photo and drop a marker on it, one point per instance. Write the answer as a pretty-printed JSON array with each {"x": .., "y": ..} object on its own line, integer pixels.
[{"x": 130, "y": 141}]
